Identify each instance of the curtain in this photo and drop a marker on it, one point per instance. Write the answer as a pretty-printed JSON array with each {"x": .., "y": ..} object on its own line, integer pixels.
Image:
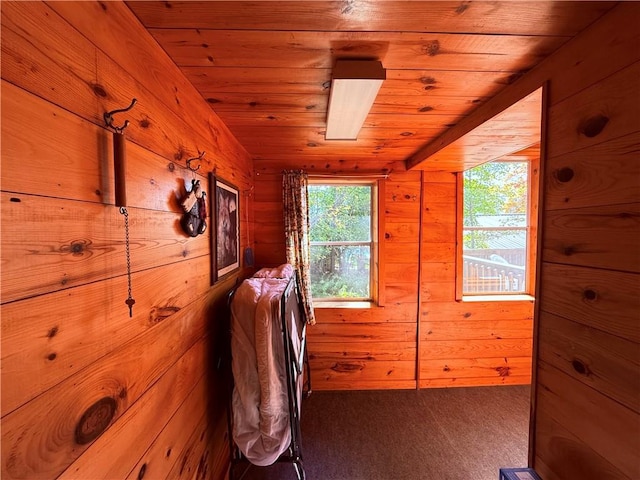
[{"x": 296, "y": 226}]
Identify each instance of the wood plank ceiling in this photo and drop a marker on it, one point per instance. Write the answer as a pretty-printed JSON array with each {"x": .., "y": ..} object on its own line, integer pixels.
[{"x": 265, "y": 67}]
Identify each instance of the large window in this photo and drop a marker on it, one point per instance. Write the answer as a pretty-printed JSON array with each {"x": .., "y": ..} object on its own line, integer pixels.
[
  {"x": 498, "y": 230},
  {"x": 342, "y": 219}
]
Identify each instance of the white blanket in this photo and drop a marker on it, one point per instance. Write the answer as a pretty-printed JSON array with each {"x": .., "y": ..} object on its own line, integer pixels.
[{"x": 261, "y": 427}]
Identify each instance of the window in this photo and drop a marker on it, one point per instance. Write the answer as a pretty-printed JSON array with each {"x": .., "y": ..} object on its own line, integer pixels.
[
  {"x": 342, "y": 219},
  {"x": 499, "y": 218}
]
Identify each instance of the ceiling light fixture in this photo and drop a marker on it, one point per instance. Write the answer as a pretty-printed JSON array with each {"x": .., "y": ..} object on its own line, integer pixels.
[{"x": 354, "y": 87}]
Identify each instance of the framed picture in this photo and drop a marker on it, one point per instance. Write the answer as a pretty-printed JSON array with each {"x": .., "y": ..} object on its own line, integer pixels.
[{"x": 225, "y": 233}]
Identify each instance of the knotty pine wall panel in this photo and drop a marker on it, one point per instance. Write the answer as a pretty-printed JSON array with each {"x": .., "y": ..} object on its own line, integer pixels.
[
  {"x": 464, "y": 343},
  {"x": 269, "y": 222},
  {"x": 586, "y": 399},
  {"x": 67, "y": 340},
  {"x": 347, "y": 353}
]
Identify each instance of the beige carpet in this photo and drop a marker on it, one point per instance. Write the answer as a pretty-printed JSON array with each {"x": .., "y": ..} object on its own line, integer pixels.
[{"x": 434, "y": 434}]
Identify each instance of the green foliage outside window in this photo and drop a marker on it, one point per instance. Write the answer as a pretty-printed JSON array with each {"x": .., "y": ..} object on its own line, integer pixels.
[
  {"x": 340, "y": 214},
  {"x": 494, "y": 191}
]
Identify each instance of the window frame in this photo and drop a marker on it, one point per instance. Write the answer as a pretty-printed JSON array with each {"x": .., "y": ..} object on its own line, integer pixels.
[
  {"x": 532, "y": 156},
  {"x": 374, "y": 243}
]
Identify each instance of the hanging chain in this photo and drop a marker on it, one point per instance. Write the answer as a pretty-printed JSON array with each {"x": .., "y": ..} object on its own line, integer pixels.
[{"x": 129, "y": 301}]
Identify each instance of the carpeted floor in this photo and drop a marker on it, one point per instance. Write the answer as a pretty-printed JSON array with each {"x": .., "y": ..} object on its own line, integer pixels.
[{"x": 432, "y": 434}]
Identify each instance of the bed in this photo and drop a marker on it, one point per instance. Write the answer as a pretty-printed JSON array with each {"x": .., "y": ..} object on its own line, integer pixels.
[{"x": 268, "y": 359}]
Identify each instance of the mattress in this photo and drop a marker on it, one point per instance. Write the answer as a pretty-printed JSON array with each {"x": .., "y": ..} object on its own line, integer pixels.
[{"x": 260, "y": 408}]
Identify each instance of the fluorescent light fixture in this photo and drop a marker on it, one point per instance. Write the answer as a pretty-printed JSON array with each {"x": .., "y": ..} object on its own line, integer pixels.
[{"x": 354, "y": 87}]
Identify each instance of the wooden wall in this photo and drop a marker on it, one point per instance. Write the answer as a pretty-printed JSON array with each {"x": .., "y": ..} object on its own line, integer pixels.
[
  {"x": 459, "y": 344},
  {"x": 471, "y": 342},
  {"x": 68, "y": 343},
  {"x": 587, "y": 403},
  {"x": 71, "y": 356},
  {"x": 356, "y": 348}
]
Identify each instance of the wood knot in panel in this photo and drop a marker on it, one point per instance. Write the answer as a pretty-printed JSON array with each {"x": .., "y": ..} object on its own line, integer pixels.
[
  {"x": 347, "y": 367},
  {"x": 580, "y": 367},
  {"x": 462, "y": 8},
  {"x": 590, "y": 294},
  {"x": 592, "y": 126},
  {"x": 158, "y": 314},
  {"x": 564, "y": 174},
  {"x": 431, "y": 48},
  {"x": 143, "y": 470},
  {"x": 98, "y": 90},
  {"x": 77, "y": 248},
  {"x": 503, "y": 371},
  {"x": 95, "y": 420},
  {"x": 52, "y": 332}
]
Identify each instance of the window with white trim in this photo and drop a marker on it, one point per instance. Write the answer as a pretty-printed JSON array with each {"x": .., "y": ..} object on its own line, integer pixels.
[
  {"x": 499, "y": 224},
  {"x": 342, "y": 218}
]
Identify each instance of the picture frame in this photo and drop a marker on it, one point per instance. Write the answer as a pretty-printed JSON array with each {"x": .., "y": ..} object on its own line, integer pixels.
[{"x": 225, "y": 231}]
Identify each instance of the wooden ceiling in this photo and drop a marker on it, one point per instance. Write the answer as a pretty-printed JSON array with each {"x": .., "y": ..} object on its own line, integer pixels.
[{"x": 265, "y": 67}]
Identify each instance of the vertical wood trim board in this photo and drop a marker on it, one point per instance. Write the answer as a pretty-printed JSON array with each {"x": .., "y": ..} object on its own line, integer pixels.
[
  {"x": 540, "y": 198},
  {"x": 419, "y": 310}
]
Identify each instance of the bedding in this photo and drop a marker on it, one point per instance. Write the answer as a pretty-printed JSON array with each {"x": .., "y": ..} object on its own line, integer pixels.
[{"x": 261, "y": 424}]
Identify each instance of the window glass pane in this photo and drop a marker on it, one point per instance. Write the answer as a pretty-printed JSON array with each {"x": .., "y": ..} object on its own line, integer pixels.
[
  {"x": 495, "y": 195},
  {"x": 340, "y": 271},
  {"x": 340, "y": 213},
  {"x": 494, "y": 233}
]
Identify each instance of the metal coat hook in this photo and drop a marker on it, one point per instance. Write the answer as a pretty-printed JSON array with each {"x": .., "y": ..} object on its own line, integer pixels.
[
  {"x": 189, "y": 160},
  {"x": 119, "y": 176},
  {"x": 108, "y": 117}
]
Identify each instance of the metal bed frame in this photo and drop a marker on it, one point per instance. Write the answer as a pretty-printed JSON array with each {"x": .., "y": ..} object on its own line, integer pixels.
[{"x": 296, "y": 365}]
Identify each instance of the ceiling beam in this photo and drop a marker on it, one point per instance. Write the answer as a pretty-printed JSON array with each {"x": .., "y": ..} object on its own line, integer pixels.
[{"x": 573, "y": 60}]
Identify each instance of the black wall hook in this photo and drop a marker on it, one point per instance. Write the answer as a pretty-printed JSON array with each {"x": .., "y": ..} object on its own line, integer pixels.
[
  {"x": 189, "y": 160},
  {"x": 108, "y": 117}
]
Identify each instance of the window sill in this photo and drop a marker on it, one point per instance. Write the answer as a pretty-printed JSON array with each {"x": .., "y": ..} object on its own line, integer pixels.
[
  {"x": 498, "y": 298},
  {"x": 330, "y": 304}
]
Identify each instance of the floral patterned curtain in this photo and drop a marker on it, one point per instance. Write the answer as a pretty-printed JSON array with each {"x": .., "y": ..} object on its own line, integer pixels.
[{"x": 296, "y": 226}]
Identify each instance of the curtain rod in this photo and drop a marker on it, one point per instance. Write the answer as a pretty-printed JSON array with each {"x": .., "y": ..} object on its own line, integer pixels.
[
  {"x": 349, "y": 175},
  {"x": 330, "y": 175}
]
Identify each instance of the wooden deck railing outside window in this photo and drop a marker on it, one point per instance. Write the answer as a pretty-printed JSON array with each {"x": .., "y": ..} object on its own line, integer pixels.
[{"x": 481, "y": 275}]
